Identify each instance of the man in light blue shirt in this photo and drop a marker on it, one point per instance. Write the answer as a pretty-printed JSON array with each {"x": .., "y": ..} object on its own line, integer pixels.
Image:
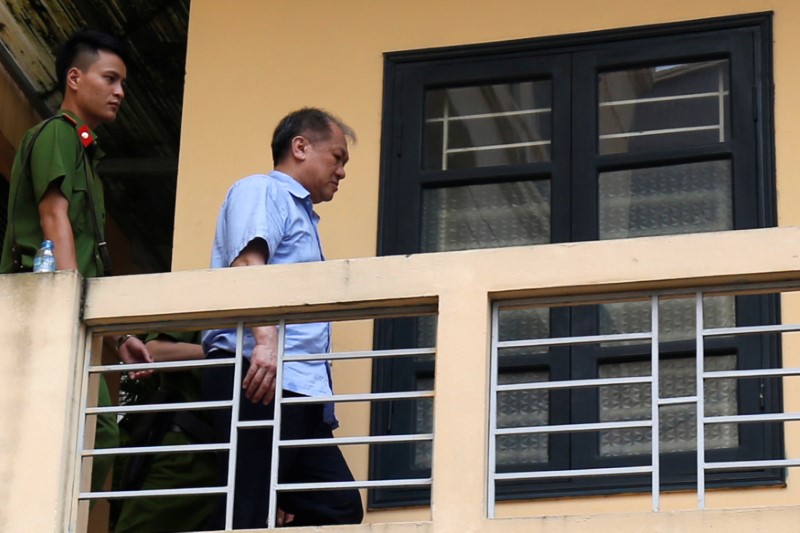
[{"x": 269, "y": 219}]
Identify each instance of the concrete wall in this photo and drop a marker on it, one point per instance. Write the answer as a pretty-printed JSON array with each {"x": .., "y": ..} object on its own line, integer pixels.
[{"x": 39, "y": 319}]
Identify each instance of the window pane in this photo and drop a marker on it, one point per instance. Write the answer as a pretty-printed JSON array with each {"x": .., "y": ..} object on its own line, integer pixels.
[
  {"x": 423, "y": 423},
  {"x": 676, "y": 317},
  {"x": 487, "y": 125},
  {"x": 668, "y": 106},
  {"x": 678, "y": 422},
  {"x": 521, "y": 409},
  {"x": 485, "y": 216},
  {"x": 690, "y": 198}
]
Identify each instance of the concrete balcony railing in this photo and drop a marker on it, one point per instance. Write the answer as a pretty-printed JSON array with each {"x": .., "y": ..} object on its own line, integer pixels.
[{"x": 50, "y": 323}]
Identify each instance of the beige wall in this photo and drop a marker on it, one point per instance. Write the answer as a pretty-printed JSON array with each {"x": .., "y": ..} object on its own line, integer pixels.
[
  {"x": 251, "y": 61},
  {"x": 39, "y": 316}
]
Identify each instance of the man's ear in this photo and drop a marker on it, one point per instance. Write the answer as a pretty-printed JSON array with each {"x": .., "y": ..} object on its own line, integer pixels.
[
  {"x": 73, "y": 75},
  {"x": 299, "y": 147}
]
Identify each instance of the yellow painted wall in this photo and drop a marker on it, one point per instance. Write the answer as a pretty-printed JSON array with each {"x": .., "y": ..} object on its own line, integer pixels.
[
  {"x": 38, "y": 383},
  {"x": 251, "y": 61}
]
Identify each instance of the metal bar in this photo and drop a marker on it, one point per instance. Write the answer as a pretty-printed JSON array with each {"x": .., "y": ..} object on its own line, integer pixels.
[
  {"x": 752, "y": 330},
  {"x": 576, "y": 384},
  {"x": 158, "y": 407},
  {"x": 230, "y": 487},
  {"x": 119, "y": 494},
  {"x": 721, "y": 93},
  {"x": 576, "y": 428},
  {"x": 368, "y": 396},
  {"x": 655, "y": 403},
  {"x": 272, "y": 512},
  {"x": 474, "y": 116},
  {"x": 764, "y": 372},
  {"x": 489, "y": 147},
  {"x": 413, "y": 482},
  {"x": 765, "y": 417},
  {"x": 255, "y": 424},
  {"x": 445, "y": 131},
  {"x": 575, "y": 473},
  {"x": 375, "y": 439},
  {"x": 695, "y": 96},
  {"x": 139, "y": 450},
  {"x": 81, "y": 444},
  {"x": 561, "y": 341},
  {"x": 376, "y": 354},
  {"x": 491, "y": 496},
  {"x": 650, "y": 133},
  {"x": 700, "y": 407},
  {"x": 168, "y": 365},
  {"x": 679, "y": 400},
  {"x": 736, "y": 465}
]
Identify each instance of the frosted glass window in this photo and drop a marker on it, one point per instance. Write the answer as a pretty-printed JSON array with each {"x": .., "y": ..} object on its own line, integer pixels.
[
  {"x": 678, "y": 422},
  {"x": 667, "y": 200},
  {"x": 491, "y": 215}
]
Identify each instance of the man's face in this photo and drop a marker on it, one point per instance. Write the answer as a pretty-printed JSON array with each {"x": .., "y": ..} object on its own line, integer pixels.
[
  {"x": 99, "y": 88},
  {"x": 324, "y": 165}
]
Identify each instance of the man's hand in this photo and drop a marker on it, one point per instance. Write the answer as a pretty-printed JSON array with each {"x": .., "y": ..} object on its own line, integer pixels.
[
  {"x": 283, "y": 518},
  {"x": 134, "y": 351},
  {"x": 259, "y": 383}
]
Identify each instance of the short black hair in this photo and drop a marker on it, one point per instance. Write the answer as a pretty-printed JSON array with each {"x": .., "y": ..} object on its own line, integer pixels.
[
  {"x": 81, "y": 46},
  {"x": 310, "y": 122}
]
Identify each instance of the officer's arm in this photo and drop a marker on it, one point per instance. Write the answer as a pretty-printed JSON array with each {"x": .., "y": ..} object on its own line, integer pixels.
[
  {"x": 168, "y": 350},
  {"x": 54, "y": 220}
]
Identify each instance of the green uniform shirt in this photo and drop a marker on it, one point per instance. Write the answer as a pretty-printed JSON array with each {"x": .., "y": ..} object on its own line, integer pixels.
[{"x": 57, "y": 154}]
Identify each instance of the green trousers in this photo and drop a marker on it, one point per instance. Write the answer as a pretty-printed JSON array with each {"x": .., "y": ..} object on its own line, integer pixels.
[
  {"x": 172, "y": 513},
  {"x": 106, "y": 436}
]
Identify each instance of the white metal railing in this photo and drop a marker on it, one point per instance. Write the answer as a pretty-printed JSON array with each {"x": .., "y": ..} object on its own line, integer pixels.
[
  {"x": 652, "y": 380},
  {"x": 86, "y": 452}
]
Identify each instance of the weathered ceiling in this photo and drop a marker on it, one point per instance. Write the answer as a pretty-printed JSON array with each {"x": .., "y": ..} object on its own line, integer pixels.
[{"x": 140, "y": 169}]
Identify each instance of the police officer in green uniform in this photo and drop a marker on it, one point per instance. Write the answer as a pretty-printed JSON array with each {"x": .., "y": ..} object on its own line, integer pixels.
[
  {"x": 169, "y": 428},
  {"x": 55, "y": 191}
]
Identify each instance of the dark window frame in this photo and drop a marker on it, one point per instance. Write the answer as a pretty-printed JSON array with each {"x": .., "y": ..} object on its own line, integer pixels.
[{"x": 746, "y": 39}]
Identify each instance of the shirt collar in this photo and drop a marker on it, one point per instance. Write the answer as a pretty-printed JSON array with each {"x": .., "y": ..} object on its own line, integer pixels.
[
  {"x": 86, "y": 136},
  {"x": 292, "y": 185}
]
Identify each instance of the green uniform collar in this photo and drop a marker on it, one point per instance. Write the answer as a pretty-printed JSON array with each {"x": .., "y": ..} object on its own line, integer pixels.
[{"x": 86, "y": 136}]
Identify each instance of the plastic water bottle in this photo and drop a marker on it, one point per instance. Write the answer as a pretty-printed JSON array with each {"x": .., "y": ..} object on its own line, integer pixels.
[{"x": 45, "y": 260}]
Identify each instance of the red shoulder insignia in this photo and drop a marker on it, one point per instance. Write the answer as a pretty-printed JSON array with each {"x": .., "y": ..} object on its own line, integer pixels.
[
  {"x": 69, "y": 119},
  {"x": 86, "y": 136}
]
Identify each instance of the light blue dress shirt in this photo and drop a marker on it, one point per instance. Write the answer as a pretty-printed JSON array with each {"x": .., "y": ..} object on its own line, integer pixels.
[{"x": 279, "y": 210}]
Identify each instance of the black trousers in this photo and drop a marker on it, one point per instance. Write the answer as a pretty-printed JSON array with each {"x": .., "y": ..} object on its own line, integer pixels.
[{"x": 295, "y": 465}]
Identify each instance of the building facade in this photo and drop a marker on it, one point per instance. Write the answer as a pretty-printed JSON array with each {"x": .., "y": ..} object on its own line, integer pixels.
[{"x": 539, "y": 193}]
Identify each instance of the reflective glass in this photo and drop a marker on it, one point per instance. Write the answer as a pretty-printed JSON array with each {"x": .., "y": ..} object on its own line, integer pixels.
[
  {"x": 487, "y": 125},
  {"x": 665, "y": 106}
]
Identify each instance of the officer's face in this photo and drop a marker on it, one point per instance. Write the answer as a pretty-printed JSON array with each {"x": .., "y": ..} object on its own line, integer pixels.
[
  {"x": 324, "y": 165},
  {"x": 99, "y": 88}
]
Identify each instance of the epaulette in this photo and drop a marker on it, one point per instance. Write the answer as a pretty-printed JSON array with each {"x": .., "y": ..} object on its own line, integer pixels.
[{"x": 83, "y": 132}]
